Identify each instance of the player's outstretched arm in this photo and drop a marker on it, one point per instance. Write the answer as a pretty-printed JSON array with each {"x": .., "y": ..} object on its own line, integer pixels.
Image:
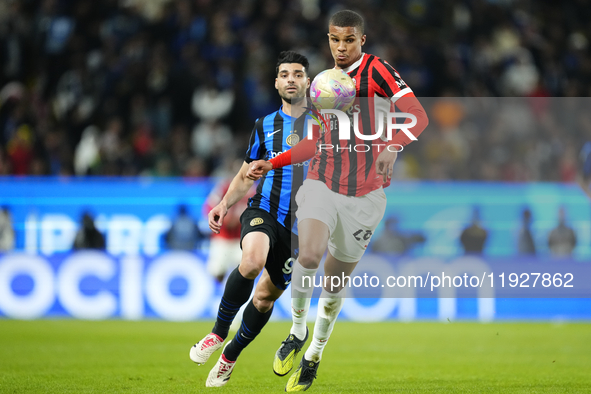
[
  {"x": 240, "y": 185},
  {"x": 386, "y": 159},
  {"x": 302, "y": 151},
  {"x": 410, "y": 105}
]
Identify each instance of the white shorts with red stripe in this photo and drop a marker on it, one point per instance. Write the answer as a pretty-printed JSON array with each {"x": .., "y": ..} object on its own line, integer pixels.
[{"x": 351, "y": 220}]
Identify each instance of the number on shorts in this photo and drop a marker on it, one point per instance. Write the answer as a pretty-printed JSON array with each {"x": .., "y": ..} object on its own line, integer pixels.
[
  {"x": 288, "y": 266},
  {"x": 365, "y": 237}
]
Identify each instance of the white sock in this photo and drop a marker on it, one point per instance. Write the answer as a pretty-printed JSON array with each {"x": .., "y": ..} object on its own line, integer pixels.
[
  {"x": 329, "y": 306},
  {"x": 301, "y": 294}
]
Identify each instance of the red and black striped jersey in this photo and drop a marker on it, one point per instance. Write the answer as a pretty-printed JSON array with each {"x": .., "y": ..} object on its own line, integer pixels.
[{"x": 349, "y": 166}]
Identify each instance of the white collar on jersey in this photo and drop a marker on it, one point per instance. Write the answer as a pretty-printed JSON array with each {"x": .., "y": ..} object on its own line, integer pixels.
[{"x": 354, "y": 65}]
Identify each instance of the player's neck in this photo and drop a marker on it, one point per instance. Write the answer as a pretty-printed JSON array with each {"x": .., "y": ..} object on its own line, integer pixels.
[{"x": 296, "y": 109}]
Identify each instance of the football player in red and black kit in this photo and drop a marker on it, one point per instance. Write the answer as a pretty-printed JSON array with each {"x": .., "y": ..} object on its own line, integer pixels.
[{"x": 342, "y": 201}]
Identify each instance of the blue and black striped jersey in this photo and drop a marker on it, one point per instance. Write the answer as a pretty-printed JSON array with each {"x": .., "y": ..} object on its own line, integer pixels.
[{"x": 271, "y": 136}]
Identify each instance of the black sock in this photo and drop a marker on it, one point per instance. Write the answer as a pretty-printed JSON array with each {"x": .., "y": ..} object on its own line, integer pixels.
[
  {"x": 236, "y": 293},
  {"x": 252, "y": 324}
]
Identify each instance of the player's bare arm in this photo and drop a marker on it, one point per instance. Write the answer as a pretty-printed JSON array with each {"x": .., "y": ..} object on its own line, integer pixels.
[
  {"x": 385, "y": 164},
  {"x": 240, "y": 185},
  {"x": 386, "y": 159}
]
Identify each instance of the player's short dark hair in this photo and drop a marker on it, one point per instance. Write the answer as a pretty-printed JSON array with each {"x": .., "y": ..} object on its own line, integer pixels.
[
  {"x": 347, "y": 18},
  {"x": 292, "y": 57}
]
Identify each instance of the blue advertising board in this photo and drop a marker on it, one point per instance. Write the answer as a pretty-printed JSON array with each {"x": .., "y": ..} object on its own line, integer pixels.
[
  {"x": 137, "y": 278},
  {"x": 176, "y": 286}
]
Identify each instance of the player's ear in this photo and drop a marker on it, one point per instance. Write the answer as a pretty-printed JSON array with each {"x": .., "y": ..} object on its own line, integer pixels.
[
  {"x": 362, "y": 40},
  {"x": 308, "y": 84},
  {"x": 276, "y": 84}
]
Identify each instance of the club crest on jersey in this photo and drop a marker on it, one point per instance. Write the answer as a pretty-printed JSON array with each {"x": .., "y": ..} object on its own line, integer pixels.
[
  {"x": 292, "y": 139},
  {"x": 354, "y": 81},
  {"x": 256, "y": 221}
]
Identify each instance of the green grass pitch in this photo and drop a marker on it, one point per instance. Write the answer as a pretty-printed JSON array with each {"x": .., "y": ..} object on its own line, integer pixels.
[{"x": 69, "y": 356}]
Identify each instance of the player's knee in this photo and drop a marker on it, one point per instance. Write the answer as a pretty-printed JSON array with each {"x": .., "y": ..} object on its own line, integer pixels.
[
  {"x": 250, "y": 267},
  {"x": 309, "y": 258},
  {"x": 263, "y": 305}
]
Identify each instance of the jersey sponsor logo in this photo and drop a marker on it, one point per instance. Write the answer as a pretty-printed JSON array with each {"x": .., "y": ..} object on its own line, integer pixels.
[
  {"x": 256, "y": 221},
  {"x": 275, "y": 154},
  {"x": 270, "y": 134},
  {"x": 292, "y": 139},
  {"x": 272, "y": 155}
]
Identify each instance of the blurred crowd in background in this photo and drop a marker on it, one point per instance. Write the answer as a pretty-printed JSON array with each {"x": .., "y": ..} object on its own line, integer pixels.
[{"x": 173, "y": 87}]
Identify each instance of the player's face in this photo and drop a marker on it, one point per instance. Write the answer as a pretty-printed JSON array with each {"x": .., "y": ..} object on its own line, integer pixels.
[
  {"x": 292, "y": 81},
  {"x": 345, "y": 45}
]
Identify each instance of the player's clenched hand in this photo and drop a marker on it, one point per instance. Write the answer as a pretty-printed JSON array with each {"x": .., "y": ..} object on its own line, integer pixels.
[
  {"x": 258, "y": 168},
  {"x": 216, "y": 217},
  {"x": 385, "y": 164}
]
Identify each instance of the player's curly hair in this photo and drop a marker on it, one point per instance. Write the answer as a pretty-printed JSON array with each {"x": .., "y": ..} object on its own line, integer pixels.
[
  {"x": 347, "y": 18},
  {"x": 292, "y": 57}
]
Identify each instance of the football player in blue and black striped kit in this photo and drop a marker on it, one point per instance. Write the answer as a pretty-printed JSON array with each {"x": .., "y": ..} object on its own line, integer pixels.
[{"x": 266, "y": 235}]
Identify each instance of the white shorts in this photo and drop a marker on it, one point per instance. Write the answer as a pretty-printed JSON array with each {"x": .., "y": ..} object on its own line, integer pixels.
[
  {"x": 224, "y": 255},
  {"x": 350, "y": 220}
]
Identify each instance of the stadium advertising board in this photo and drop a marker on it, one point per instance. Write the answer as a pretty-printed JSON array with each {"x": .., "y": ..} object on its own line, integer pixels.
[
  {"x": 176, "y": 286},
  {"x": 137, "y": 278}
]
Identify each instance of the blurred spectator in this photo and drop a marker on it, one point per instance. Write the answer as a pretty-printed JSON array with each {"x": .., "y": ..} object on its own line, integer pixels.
[
  {"x": 110, "y": 141},
  {"x": 88, "y": 236},
  {"x": 211, "y": 140},
  {"x": 7, "y": 239},
  {"x": 195, "y": 168},
  {"x": 212, "y": 104},
  {"x": 4, "y": 163},
  {"x": 562, "y": 239},
  {"x": 394, "y": 241},
  {"x": 20, "y": 150},
  {"x": 87, "y": 156},
  {"x": 474, "y": 236},
  {"x": 585, "y": 169},
  {"x": 184, "y": 234},
  {"x": 586, "y": 163},
  {"x": 137, "y": 69},
  {"x": 525, "y": 241},
  {"x": 521, "y": 77}
]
